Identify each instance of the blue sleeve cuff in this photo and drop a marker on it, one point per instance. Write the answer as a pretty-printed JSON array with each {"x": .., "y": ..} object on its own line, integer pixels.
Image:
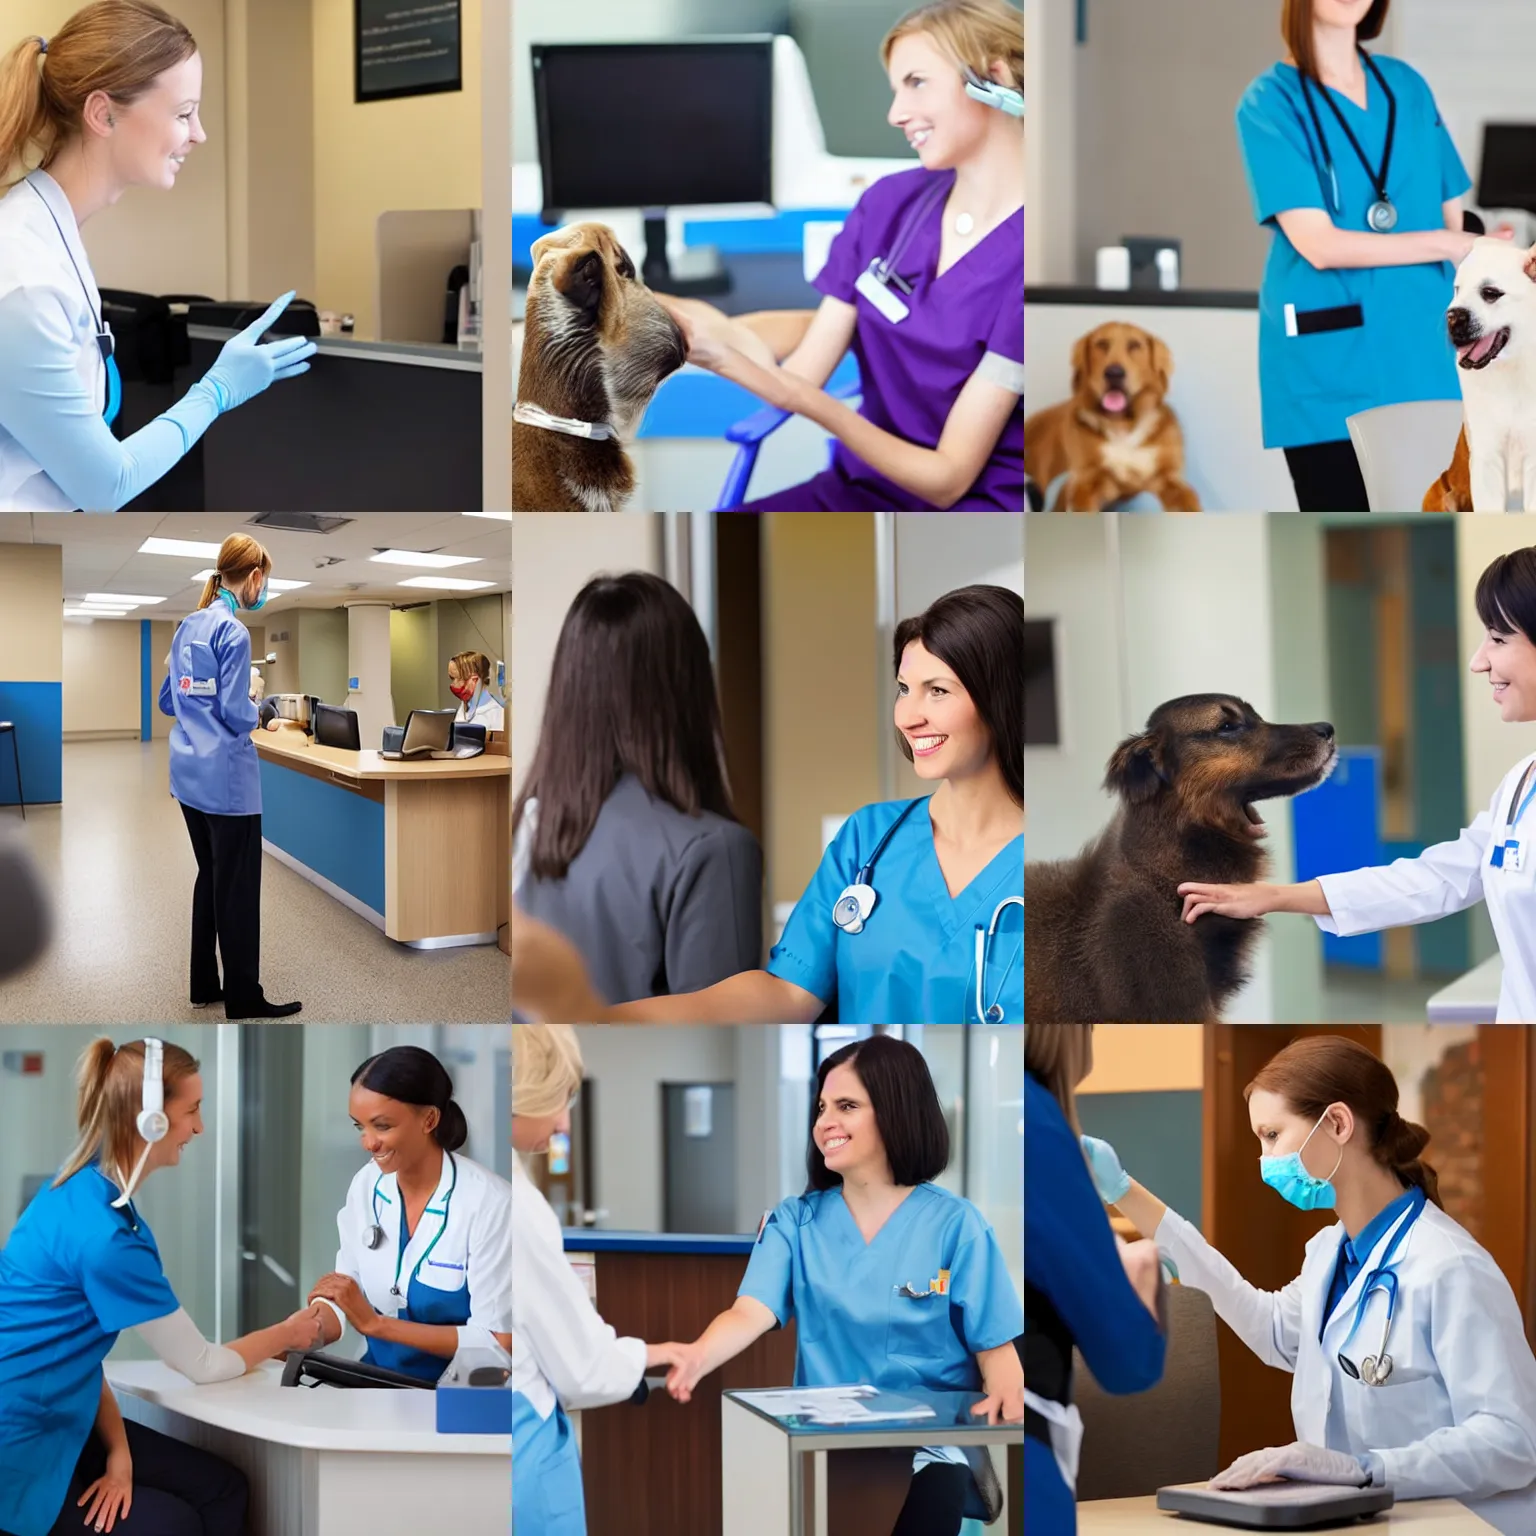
[{"x": 1374, "y": 1468}]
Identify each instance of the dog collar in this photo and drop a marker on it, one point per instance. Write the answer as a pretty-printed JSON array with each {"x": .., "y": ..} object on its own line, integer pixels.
[{"x": 536, "y": 416}]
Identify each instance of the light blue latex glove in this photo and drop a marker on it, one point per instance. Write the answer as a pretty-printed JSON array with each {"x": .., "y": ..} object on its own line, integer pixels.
[
  {"x": 1109, "y": 1178},
  {"x": 246, "y": 366},
  {"x": 1299, "y": 1462}
]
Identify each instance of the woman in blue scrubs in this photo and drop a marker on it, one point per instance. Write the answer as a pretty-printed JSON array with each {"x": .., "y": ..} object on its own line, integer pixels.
[
  {"x": 891, "y": 1280},
  {"x": 79, "y": 1267},
  {"x": 1083, "y": 1288},
  {"x": 424, "y": 1264},
  {"x": 216, "y": 779},
  {"x": 916, "y": 913},
  {"x": 1353, "y": 173}
]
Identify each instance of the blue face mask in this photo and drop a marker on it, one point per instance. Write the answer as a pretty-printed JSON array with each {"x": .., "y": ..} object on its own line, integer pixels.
[
  {"x": 261, "y": 601},
  {"x": 1290, "y": 1180}
]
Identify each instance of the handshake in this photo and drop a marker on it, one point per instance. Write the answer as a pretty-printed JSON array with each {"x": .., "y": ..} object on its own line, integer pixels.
[{"x": 688, "y": 1362}]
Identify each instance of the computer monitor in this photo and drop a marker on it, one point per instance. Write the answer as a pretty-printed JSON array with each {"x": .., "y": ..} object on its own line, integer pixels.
[
  {"x": 1507, "y": 177},
  {"x": 336, "y": 727},
  {"x": 653, "y": 126}
]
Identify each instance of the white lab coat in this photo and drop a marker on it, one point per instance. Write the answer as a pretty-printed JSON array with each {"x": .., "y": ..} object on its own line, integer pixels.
[
  {"x": 1456, "y": 1417},
  {"x": 561, "y": 1348},
  {"x": 1450, "y": 877},
  {"x": 35, "y": 270},
  {"x": 488, "y": 712},
  {"x": 475, "y": 1248}
]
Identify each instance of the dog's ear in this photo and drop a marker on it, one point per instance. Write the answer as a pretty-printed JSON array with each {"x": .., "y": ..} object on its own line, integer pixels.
[
  {"x": 1162, "y": 359},
  {"x": 1136, "y": 771},
  {"x": 1080, "y": 361},
  {"x": 580, "y": 282}
]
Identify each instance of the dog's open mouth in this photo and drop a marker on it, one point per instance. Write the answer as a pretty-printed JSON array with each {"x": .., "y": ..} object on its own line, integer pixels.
[
  {"x": 1115, "y": 402},
  {"x": 1480, "y": 353}
]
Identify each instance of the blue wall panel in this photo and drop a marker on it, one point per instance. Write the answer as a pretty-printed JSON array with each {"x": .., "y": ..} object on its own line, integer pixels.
[
  {"x": 1157, "y": 1135},
  {"x": 335, "y": 833},
  {"x": 37, "y": 711},
  {"x": 146, "y": 684},
  {"x": 1337, "y": 828}
]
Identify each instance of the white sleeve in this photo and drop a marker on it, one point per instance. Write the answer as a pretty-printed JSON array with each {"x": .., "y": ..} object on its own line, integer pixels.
[
  {"x": 177, "y": 1341},
  {"x": 1268, "y": 1322},
  {"x": 345, "y": 1263},
  {"x": 584, "y": 1360},
  {"x": 488, "y": 1272},
  {"x": 1445, "y": 878}
]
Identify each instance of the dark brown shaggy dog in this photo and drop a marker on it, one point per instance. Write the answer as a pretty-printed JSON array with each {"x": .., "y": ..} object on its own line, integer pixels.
[{"x": 1106, "y": 940}]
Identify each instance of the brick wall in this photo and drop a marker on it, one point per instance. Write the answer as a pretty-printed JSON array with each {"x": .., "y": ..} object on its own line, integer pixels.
[{"x": 1453, "y": 1115}]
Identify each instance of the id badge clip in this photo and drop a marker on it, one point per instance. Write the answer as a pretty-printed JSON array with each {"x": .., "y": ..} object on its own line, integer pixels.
[
  {"x": 1508, "y": 855},
  {"x": 889, "y": 304}
]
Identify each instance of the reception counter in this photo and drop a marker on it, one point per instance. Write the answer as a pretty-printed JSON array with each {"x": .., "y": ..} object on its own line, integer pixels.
[
  {"x": 1142, "y": 1517},
  {"x": 420, "y": 849},
  {"x": 324, "y": 1460},
  {"x": 1214, "y": 390}
]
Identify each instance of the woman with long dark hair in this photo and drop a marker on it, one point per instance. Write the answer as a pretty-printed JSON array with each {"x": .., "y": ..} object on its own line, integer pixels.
[
  {"x": 424, "y": 1266},
  {"x": 916, "y": 912},
  {"x": 624, "y": 824}
]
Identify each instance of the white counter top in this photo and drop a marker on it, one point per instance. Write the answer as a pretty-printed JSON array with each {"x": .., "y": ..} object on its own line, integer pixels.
[
  {"x": 1472, "y": 998},
  {"x": 310, "y": 1418}
]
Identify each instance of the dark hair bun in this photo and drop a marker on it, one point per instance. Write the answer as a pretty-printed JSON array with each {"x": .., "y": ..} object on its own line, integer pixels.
[
  {"x": 452, "y": 1131},
  {"x": 1402, "y": 1141}
]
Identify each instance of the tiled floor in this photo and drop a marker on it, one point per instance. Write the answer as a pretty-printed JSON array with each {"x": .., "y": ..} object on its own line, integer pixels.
[{"x": 118, "y": 861}]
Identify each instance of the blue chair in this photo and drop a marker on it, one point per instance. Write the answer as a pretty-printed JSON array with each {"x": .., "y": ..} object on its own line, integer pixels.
[{"x": 748, "y": 435}]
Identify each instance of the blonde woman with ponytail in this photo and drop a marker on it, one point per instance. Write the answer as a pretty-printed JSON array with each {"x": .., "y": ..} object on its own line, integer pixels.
[
  {"x": 79, "y": 1267},
  {"x": 109, "y": 102},
  {"x": 1435, "y": 1394},
  {"x": 563, "y": 1354},
  {"x": 216, "y": 780}
]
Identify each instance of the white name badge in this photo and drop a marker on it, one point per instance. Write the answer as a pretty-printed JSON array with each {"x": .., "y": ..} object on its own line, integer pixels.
[
  {"x": 889, "y": 304},
  {"x": 200, "y": 685}
]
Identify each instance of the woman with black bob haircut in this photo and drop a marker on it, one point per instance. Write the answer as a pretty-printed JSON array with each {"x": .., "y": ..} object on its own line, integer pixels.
[
  {"x": 626, "y": 839},
  {"x": 892, "y": 1280},
  {"x": 916, "y": 912},
  {"x": 424, "y": 1267},
  {"x": 1493, "y": 860}
]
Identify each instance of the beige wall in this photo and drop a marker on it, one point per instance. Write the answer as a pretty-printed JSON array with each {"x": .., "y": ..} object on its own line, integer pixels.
[
  {"x": 31, "y": 613},
  {"x": 418, "y": 152},
  {"x": 468, "y": 624},
  {"x": 322, "y": 660},
  {"x": 414, "y": 678},
  {"x": 160, "y": 242},
  {"x": 1142, "y": 1058},
  {"x": 554, "y": 555},
  {"x": 101, "y": 678},
  {"x": 823, "y": 713}
]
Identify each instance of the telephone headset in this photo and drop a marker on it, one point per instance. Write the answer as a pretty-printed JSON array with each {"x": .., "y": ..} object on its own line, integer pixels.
[{"x": 152, "y": 1123}]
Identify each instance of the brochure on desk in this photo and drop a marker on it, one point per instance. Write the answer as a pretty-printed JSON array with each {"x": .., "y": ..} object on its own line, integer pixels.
[{"x": 850, "y": 1405}]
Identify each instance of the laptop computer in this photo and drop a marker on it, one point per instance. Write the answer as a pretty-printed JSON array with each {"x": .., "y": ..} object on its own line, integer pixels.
[{"x": 430, "y": 733}]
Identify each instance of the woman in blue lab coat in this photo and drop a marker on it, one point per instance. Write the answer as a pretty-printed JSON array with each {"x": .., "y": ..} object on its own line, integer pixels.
[
  {"x": 892, "y": 1280},
  {"x": 216, "y": 780},
  {"x": 916, "y": 912},
  {"x": 79, "y": 1267},
  {"x": 1082, "y": 1286},
  {"x": 1353, "y": 173}
]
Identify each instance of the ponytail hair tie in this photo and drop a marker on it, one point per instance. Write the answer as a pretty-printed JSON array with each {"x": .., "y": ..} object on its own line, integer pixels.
[{"x": 42, "y": 45}]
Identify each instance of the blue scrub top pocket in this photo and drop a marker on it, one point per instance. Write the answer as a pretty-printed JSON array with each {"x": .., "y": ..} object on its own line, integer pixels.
[{"x": 919, "y": 1325}]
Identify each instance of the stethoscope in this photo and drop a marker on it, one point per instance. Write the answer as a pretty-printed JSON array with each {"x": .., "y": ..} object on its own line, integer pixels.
[
  {"x": 853, "y": 907},
  {"x": 1506, "y": 853},
  {"x": 883, "y": 268},
  {"x": 1374, "y": 1370},
  {"x": 994, "y": 1014},
  {"x": 106, "y": 343},
  {"x": 1381, "y": 216},
  {"x": 373, "y": 1238}
]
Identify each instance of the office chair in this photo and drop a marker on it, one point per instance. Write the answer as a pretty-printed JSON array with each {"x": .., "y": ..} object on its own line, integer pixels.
[
  {"x": 1136, "y": 1443},
  {"x": 1403, "y": 449},
  {"x": 748, "y": 435}
]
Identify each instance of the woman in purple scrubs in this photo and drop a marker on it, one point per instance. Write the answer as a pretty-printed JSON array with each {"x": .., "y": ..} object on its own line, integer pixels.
[{"x": 941, "y": 343}]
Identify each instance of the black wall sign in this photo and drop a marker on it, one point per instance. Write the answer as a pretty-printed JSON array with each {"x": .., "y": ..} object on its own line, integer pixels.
[{"x": 408, "y": 48}]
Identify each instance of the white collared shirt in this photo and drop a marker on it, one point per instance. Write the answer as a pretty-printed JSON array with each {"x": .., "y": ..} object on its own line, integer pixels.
[
  {"x": 38, "y": 239},
  {"x": 488, "y": 712},
  {"x": 475, "y": 1249}
]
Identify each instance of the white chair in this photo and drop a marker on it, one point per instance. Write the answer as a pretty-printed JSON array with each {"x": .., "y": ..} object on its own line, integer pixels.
[{"x": 1403, "y": 449}]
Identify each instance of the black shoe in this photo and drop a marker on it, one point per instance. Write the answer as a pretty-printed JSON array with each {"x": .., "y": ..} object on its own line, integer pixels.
[
  {"x": 262, "y": 1009},
  {"x": 208, "y": 1002}
]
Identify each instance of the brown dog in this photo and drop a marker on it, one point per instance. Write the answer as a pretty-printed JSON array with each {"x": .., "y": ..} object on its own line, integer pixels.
[
  {"x": 1107, "y": 942},
  {"x": 1452, "y": 492},
  {"x": 1115, "y": 437},
  {"x": 596, "y": 343}
]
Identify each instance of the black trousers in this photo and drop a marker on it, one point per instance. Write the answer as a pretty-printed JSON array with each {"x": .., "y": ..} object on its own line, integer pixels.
[
  {"x": 1327, "y": 478},
  {"x": 935, "y": 1502},
  {"x": 226, "y": 908},
  {"x": 178, "y": 1490}
]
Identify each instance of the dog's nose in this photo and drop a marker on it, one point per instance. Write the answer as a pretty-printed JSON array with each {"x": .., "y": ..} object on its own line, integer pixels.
[
  {"x": 1460, "y": 325},
  {"x": 1114, "y": 374},
  {"x": 1323, "y": 729}
]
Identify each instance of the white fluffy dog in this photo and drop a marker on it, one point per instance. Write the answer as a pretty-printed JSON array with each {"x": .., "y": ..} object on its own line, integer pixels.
[{"x": 1492, "y": 325}]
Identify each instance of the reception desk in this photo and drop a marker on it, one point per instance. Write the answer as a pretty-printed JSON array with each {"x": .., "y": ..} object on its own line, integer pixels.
[
  {"x": 325, "y": 1460},
  {"x": 1142, "y": 1517},
  {"x": 418, "y": 848}
]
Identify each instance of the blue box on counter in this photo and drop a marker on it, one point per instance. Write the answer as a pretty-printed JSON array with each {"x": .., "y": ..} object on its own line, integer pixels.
[{"x": 474, "y": 1410}]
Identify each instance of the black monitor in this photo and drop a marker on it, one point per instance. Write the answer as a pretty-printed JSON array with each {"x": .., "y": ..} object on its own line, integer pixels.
[
  {"x": 335, "y": 727},
  {"x": 653, "y": 126},
  {"x": 1507, "y": 176}
]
